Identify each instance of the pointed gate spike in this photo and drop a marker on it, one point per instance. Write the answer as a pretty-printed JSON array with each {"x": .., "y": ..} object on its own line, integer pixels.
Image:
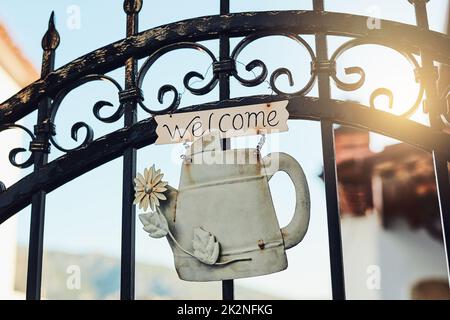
[
  {"x": 51, "y": 38},
  {"x": 132, "y": 6}
]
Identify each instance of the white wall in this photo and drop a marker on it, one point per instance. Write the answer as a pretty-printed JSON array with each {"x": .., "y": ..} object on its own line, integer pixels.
[
  {"x": 401, "y": 255},
  {"x": 8, "y": 175},
  {"x": 409, "y": 256},
  {"x": 359, "y": 241}
]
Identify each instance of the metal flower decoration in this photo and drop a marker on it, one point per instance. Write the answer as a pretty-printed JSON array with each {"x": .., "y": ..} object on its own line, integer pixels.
[{"x": 149, "y": 189}]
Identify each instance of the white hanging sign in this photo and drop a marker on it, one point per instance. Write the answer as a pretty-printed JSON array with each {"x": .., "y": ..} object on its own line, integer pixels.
[{"x": 229, "y": 122}]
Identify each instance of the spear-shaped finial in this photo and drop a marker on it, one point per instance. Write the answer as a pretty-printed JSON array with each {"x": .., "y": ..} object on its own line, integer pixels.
[
  {"x": 132, "y": 6},
  {"x": 50, "y": 41}
]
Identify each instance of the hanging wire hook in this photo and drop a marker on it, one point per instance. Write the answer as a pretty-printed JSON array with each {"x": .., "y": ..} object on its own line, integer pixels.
[
  {"x": 186, "y": 147},
  {"x": 261, "y": 142}
]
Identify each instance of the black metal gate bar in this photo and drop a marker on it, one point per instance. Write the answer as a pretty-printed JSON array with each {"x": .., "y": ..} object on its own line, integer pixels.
[
  {"x": 329, "y": 167},
  {"x": 224, "y": 93},
  {"x": 111, "y": 146},
  {"x": 114, "y": 55},
  {"x": 129, "y": 97},
  {"x": 429, "y": 76},
  {"x": 40, "y": 147},
  {"x": 443, "y": 191},
  {"x": 46, "y": 94}
]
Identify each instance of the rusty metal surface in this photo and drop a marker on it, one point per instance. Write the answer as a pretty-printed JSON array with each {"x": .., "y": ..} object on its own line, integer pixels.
[
  {"x": 112, "y": 56},
  {"x": 143, "y": 133},
  {"x": 421, "y": 47},
  {"x": 40, "y": 150}
]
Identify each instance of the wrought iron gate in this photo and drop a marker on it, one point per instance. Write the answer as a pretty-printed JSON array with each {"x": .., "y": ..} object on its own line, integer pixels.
[{"x": 420, "y": 46}]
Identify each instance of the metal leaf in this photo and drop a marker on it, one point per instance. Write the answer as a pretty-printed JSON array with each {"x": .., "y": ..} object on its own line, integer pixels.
[
  {"x": 155, "y": 224},
  {"x": 206, "y": 248}
]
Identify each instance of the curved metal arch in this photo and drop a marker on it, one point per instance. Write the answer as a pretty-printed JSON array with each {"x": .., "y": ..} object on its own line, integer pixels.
[
  {"x": 147, "y": 42},
  {"x": 143, "y": 133}
]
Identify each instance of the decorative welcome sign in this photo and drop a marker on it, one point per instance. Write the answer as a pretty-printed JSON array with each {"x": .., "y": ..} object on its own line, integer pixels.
[{"x": 229, "y": 122}]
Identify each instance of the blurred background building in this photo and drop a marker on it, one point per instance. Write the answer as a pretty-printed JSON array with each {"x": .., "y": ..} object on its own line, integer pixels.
[
  {"x": 391, "y": 228},
  {"x": 392, "y": 237},
  {"x": 15, "y": 73}
]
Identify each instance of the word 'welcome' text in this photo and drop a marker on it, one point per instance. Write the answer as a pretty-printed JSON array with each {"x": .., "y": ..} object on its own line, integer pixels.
[{"x": 229, "y": 122}]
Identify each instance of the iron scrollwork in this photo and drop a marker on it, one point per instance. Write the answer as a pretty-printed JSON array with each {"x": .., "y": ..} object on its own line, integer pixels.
[
  {"x": 208, "y": 87},
  {"x": 223, "y": 66},
  {"x": 98, "y": 106},
  {"x": 227, "y": 65},
  {"x": 14, "y": 152},
  {"x": 261, "y": 77},
  {"x": 352, "y": 86}
]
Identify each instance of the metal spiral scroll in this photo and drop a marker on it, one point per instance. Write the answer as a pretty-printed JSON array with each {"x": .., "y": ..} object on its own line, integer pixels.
[
  {"x": 98, "y": 106},
  {"x": 14, "y": 152},
  {"x": 186, "y": 80},
  {"x": 362, "y": 76},
  {"x": 261, "y": 77}
]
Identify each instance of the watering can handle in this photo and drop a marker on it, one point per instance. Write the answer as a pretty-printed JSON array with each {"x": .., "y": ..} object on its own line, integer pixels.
[{"x": 294, "y": 232}]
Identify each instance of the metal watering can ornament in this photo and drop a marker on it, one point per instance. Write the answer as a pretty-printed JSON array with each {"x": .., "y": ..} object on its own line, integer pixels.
[{"x": 221, "y": 223}]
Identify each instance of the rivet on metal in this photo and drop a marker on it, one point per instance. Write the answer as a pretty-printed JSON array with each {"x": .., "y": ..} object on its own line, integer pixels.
[{"x": 261, "y": 244}]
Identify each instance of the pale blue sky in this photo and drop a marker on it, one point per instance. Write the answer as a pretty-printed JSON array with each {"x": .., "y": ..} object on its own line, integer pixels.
[{"x": 84, "y": 215}]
